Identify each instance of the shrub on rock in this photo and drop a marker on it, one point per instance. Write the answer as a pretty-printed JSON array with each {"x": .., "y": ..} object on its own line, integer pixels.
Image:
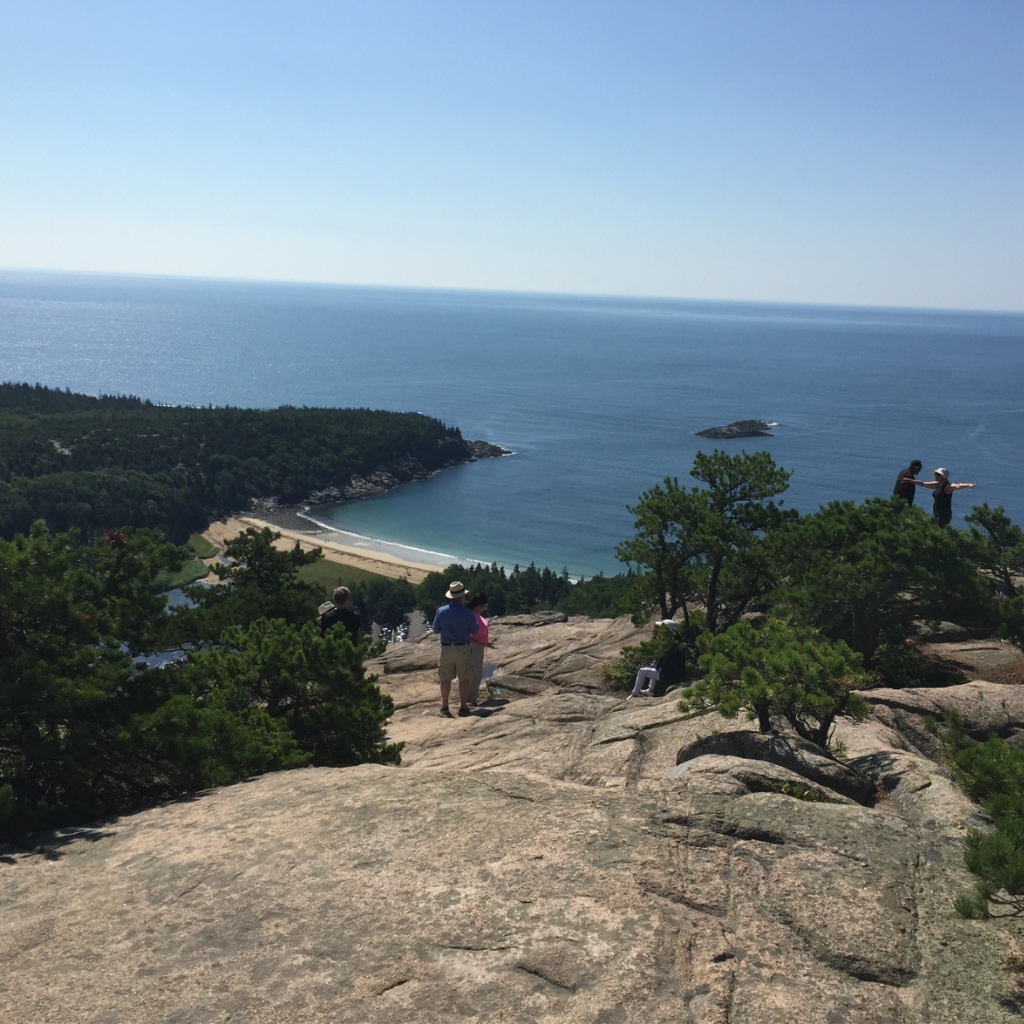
[
  {"x": 992, "y": 773},
  {"x": 778, "y": 668}
]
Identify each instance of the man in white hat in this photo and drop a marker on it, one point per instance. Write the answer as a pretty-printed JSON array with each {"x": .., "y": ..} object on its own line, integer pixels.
[{"x": 455, "y": 624}]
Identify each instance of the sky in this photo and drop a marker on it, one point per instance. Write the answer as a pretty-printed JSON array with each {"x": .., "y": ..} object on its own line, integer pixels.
[{"x": 864, "y": 152}]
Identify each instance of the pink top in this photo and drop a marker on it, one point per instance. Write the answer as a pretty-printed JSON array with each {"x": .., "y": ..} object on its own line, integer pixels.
[{"x": 482, "y": 635}]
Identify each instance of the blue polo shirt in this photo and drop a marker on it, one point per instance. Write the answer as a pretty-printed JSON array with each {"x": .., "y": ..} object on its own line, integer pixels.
[{"x": 455, "y": 622}]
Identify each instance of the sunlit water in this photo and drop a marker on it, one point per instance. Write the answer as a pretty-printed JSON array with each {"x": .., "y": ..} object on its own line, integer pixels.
[{"x": 598, "y": 398}]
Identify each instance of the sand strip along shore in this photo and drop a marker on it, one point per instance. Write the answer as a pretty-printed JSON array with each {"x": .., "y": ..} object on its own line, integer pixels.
[{"x": 381, "y": 563}]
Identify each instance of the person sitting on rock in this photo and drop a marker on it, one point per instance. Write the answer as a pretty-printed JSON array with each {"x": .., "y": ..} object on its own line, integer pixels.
[
  {"x": 667, "y": 670},
  {"x": 646, "y": 676}
]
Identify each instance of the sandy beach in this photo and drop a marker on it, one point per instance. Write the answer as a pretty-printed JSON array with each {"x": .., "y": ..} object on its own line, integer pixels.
[{"x": 309, "y": 536}]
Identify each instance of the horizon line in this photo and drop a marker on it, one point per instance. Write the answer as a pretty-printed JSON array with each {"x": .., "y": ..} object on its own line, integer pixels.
[{"x": 650, "y": 297}]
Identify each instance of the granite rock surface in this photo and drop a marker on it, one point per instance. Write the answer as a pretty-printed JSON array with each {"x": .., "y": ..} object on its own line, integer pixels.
[{"x": 561, "y": 855}]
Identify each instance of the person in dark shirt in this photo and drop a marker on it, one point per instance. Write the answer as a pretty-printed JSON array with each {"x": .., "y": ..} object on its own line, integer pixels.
[
  {"x": 341, "y": 611},
  {"x": 905, "y": 482}
]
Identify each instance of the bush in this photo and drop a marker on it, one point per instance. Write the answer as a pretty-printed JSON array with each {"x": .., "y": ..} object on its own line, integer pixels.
[
  {"x": 86, "y": 731},
  {"x": 901, "y": 665},
  {"x": 776, "y": 669},
  {"x": 312, "y": 684},
  {"x": 702, "y": 545},
  {"x": 865, "y": 573},
  {"x": 992, "y": 773}
]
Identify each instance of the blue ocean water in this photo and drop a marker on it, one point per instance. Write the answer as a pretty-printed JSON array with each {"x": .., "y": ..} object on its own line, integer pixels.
[{"x": 599, "y": 398}]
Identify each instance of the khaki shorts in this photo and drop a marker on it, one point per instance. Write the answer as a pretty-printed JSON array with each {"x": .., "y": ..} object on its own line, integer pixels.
[{"x": 454, "y": 662}]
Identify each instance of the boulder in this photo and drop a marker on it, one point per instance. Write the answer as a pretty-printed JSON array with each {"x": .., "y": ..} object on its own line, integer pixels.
[
  {"x": 417, "y": 654},
  {"x": 986, "y": 708},
  {"x": 803, "y": 759},
  {"x": 757, "y": 777},
  {"x": 998, "y": 661},
  {"x": 531, "y": 620},
  {"x": 529, "y": 646},
  {"x": 941, "y": 632}
]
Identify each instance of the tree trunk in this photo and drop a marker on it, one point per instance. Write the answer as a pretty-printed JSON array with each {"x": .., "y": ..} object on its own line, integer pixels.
[
  {"x": 823, "y": 730},
  {"x": 763, "y": 719},
  {"x": 712, "y": 607}
]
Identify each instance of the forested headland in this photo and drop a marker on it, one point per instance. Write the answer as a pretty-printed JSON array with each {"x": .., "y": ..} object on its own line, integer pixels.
[{"x": 100, "y": 463}]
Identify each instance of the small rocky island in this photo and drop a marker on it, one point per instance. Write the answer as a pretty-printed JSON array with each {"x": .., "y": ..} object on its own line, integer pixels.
[
  {"x": 486, "y": 450},
  {"x": 741, "y": 428}
]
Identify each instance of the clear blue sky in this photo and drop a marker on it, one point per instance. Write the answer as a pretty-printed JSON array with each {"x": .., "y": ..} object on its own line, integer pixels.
[{"x": 866, "y": 152}]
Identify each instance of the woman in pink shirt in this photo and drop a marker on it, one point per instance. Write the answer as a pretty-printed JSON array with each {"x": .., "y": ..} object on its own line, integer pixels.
[{"x": 477, "y": 604}]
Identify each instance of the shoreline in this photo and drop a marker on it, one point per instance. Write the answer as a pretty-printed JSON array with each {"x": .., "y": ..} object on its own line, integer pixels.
[
  {"x": 372, "y": 554},
  {"x": 382, "y": 557}
]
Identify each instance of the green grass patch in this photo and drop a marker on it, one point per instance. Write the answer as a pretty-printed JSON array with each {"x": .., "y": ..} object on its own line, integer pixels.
[
  {"x": 200, "y": 547},
  {"x": 329, "y": 575},
  {"x": 793, "y": 789},
  {"x": 191, "y": 571}
]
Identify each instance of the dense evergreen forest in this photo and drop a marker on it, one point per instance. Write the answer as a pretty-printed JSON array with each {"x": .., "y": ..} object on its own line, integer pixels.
[
  {"x": 387, "y": 602},
  {"x": 89, "y": 727},
  {"x": 115, "y": 461}
]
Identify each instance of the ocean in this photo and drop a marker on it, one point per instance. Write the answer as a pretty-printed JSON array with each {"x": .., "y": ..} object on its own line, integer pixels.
[{"x": 599, "y": 398}]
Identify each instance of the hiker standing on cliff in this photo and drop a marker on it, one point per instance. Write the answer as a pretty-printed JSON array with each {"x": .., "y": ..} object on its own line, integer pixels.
[
  {"x": 455, "y": 624},
  {"x": 905, "y": 482},
  {"x": 942, "y": 497}
]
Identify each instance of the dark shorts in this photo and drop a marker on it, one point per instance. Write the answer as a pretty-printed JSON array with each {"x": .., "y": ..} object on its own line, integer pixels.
[{"x": 943, "y": 516}]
